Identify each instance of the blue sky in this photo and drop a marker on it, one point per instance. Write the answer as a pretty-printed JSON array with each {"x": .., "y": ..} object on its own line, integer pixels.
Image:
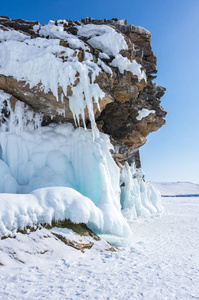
[{"x": 171, "y": 153}]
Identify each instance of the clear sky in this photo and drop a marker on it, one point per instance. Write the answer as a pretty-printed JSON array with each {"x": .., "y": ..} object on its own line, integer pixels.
[{"x": 171, "y": 153}]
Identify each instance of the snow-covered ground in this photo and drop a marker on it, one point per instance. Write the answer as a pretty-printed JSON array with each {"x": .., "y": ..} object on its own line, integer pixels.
[
  {"x": 177, "y": 188},
  {"x": 162, "y": 262}
]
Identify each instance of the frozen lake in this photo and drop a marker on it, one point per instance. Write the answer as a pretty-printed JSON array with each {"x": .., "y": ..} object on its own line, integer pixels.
[{"x": 162, "y": 262}]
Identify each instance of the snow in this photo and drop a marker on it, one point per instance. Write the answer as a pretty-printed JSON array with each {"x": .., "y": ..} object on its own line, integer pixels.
[
  {"x": 104, "y": 67},
  {"x": 104, "y": 38},
  {"x": 103, "y": 55},
  {"x": 142, "y": 30},
  {"x": 143, "y": 113},
  {"x": 123, "y": 63},
  {"x": 12, "y": 35},
  {"x": 177, "y": 188},
  {"x": 121, "y": 22},
  {"x": 30, "y": 247},
  {"x": 57, "y": 32},
  {"x": 161, "y": 262}
]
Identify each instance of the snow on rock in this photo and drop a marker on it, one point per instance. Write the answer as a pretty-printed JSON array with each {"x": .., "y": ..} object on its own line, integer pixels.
[
  {"x": 142, "y": 30},
  {"x": 104, "y": 38},
  {"x": 13, "y": 35},
  {"x": 52, "y": 60},
  {"x": 38, "y": 61},
  {"x": 123, "y": 63},
  {"x": 57, "y": 32},
  {"x": 143, "y": 113}
]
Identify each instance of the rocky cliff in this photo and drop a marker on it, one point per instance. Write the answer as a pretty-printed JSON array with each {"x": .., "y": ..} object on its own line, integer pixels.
[{"x": 106, "y": 65}]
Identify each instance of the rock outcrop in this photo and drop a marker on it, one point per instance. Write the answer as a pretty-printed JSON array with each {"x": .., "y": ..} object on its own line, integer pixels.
[{"x": 130, "y": 107}]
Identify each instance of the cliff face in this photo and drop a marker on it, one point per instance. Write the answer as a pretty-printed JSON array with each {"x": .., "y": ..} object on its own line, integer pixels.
[
  {"x": 95, "y": 74},
  {"x": 112, "y": 58}
]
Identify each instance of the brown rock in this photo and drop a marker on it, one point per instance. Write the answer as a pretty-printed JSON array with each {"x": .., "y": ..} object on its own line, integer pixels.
[{"x": 124, "y": 94}]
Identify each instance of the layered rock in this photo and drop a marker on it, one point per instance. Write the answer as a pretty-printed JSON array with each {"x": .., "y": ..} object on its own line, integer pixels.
[{"x": 125, "y": 92}]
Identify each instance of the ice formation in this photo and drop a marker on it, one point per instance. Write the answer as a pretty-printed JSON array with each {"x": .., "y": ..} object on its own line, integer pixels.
[
  {"x": 138, "y": 198},
  {"x": 44, "y": 205},
  {"x": 60, "y": 172},
  {"x": 57, "y": 172}
]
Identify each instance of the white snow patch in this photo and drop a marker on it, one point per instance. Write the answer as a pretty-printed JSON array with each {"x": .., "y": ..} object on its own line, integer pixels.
[
  {"x": 123, "y": 63},
  {"x": 42, "y": 247},
  {"x": 143, "y": 113},
  {"x": 103, "y": 55},
  {"x": 142, "y": 30},
  {"x": 57, "y": 32},
  {"x": 104, "y": 67},
  {"x": 13, "y": 35},
  {"x": 103, "y": 37}
]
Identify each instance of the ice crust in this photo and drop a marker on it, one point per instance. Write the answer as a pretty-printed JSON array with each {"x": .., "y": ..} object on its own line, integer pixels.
[{"x": 57, "y": 172}]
